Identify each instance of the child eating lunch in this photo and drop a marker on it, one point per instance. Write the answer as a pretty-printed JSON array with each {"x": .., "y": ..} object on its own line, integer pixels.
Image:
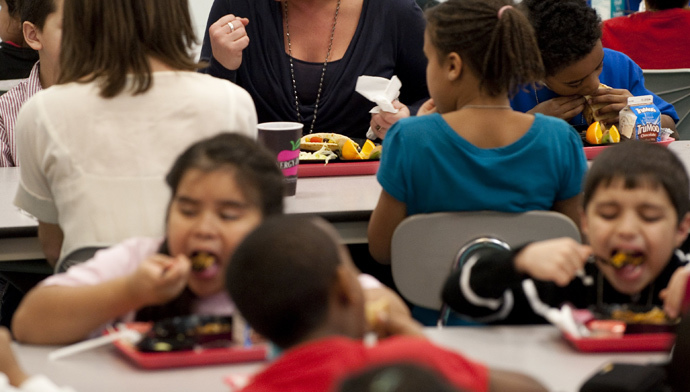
[
  {"x": 222, "y": 188},
  {"x": 307, "y": 300},
  {"x": 476, "y": 153},
  {"x": 569, "y": 37},
  {"x": 635, "y": 215}
]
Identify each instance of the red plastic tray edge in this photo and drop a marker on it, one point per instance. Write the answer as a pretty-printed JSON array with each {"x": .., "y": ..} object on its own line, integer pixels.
[
  {"x": 176, "y": 359},
  {"x": 627, "y": 343},
  {"x": 591, "y": 152},
  {"x": 337, "y": 169}
]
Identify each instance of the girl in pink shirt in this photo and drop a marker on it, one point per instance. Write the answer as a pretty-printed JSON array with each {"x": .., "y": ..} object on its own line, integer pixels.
[{"x": 222, "y": 188}]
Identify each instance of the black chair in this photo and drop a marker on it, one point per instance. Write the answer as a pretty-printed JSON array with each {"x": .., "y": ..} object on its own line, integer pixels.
[{"x": 76, "y": 257}]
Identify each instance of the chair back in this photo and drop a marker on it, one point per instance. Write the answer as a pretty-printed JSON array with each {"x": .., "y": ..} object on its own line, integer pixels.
[
  {"x": 76, "y": 257},
  {"x": 427, "y": 247},
  {"x": 673, "y": 86}
]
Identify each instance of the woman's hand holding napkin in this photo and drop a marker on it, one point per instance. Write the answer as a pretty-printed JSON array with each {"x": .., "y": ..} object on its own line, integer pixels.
[{"x": 388, "y": 109}]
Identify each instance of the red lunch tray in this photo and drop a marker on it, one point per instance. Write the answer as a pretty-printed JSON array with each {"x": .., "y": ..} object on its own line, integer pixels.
[
  {"x": 591, "y": 152},
  {"x": 352, "y": 168},
  {"x": 187, "y": 358},
  {"x": 626, "y": 343}
]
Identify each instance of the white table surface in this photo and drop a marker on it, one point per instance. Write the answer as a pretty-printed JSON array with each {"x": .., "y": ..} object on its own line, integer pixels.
[
  {"x": 536, "y": 350},
  {"x": 539, "y": 351},
  {"x": 346, "y": 201}
]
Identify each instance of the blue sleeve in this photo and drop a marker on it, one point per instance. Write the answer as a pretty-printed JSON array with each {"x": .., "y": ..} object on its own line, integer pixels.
[
  {"x": 393, "y": 164},
  {"x": 620, "y": 66},
  {"x": 219, "y": 9},
  {"x": 410, "y": 60}
]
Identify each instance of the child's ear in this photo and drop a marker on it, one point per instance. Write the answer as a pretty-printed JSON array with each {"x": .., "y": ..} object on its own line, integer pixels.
[
  {"x": 32, "y": 35},
  {"x": 683, "y": 228},
  {"x": 454, "y": 62}
]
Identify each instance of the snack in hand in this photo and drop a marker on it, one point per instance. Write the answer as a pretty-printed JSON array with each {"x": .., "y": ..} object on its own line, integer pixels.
[
  {"x": 201, "y": 261},
  {"x": 590, "y": 112},
  {"x": 373, "y": 308}
]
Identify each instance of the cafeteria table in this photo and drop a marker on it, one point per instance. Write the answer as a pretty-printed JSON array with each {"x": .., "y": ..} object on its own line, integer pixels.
[
  {"x": 346, "y": 201},
  {"x": 535, "y": 350}
]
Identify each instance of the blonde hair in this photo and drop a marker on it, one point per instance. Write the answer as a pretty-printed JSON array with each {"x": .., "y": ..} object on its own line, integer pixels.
[{"x": 105, "y": 40}]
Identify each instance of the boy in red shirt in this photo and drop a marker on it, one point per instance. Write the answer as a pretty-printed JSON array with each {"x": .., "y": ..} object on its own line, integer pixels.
[
  {"x": 655, "y": 39},
  {"x": 306, "y": 299}
]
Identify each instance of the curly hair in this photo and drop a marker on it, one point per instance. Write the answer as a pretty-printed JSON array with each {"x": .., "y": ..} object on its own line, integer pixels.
[
  {"x": 501, "y": 51},
  {"x": 659, "y": 5},
  {"x": 566, "y": 30}
]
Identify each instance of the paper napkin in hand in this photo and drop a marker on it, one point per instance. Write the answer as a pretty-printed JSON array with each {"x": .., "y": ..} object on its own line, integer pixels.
[{"x": 381, "y": 91}]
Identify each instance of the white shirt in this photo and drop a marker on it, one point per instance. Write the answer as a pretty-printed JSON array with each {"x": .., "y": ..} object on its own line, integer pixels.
[{"x": 96, "y": 166}]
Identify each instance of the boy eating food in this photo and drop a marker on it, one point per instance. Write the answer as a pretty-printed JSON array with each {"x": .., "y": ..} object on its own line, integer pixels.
[
  {"x": 569, "y": 37},
  {"x": 635, "y": 215},
  {"x": 306, "y": 299}
]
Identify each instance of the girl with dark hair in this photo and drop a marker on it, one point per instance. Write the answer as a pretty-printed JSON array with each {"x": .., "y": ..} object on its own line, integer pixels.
[
  {"x": 95, "y": 147},
  {"x": 476, "y": 153},
  {"x": 222, "y": 188}
]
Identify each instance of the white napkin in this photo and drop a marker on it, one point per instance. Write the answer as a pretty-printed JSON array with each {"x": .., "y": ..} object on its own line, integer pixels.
[{"x": 381, "y": 91}]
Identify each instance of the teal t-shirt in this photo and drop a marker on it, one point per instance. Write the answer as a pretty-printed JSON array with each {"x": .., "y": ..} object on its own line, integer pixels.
[{"x": 429, "y": 167}]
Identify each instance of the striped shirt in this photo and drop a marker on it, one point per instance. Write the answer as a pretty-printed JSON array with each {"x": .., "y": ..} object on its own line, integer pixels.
[{"x": 10, "y": 103}]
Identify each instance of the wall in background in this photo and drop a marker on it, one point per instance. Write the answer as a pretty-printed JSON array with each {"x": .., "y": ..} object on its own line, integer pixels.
[{"x": 199, "y": 10}]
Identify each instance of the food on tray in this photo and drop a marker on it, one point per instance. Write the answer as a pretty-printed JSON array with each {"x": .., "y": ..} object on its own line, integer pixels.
[
  {"x": 318, "y": 146},
  {"x": 590, "y": 112},
  {"x": 187, "y": 332},
  {"x": 373, "y": 308},
  {"x": 620, "y": 259},
  {"x": 316, "y": 141},
  {"x": 202, "y": 260},
  {"x": 598, "y": 134},
  {"x": 324, "y": 154},
  {"x": 655, "y": 316}
]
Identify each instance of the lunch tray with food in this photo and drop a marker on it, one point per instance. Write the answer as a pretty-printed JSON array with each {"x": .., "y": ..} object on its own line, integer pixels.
[
  {"x": 592, "y": 150},
  {"x": 625, "y": 329},
  {"x": 330, "y": 154},
  {"x": 188, "y": 341}
]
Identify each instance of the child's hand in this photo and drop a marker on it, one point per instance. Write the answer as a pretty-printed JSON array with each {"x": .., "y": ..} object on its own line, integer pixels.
[
  {"x": 159, "y": 279},
  {"x": 674, "y": 293},
  {"x": 556, "y": 260},
  {"x": 427, "y": 107},
  {"x": 391, "y": 316},
  {"x": 561, "y": 107},
  {"x": 615, "y": 99},
  {"x": 8, "y": 362},
  {"x": 380, "y": 122}
]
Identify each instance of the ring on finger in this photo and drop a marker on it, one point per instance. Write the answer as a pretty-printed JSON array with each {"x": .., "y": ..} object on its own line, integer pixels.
[
  {"x": 232, "y": 28},
  {"x": 378, "y": 127}
]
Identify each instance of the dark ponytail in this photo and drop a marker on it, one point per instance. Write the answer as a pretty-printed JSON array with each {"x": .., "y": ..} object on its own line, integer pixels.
[{"x": 502, "y": 52}]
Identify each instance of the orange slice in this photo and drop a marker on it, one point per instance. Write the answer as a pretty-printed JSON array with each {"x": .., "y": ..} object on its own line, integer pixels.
[
  {"x": 349, "y": 151},
  {"x": 367, "y": 148},
  {"x": 594, "y": 133}
]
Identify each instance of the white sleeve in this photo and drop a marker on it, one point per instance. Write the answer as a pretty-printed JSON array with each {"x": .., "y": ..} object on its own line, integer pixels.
[{"x": 32, "y": 138}]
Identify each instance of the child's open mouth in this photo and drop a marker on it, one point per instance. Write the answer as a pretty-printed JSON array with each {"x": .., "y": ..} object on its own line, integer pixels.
[
  {"x": 628, "y": 264},
  {"x": 204, "y": 264}
]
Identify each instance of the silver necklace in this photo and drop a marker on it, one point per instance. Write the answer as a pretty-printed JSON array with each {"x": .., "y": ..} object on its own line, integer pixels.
[
  {"x": 486, "y": 107},
  {"x": 323, "y": 70}
]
